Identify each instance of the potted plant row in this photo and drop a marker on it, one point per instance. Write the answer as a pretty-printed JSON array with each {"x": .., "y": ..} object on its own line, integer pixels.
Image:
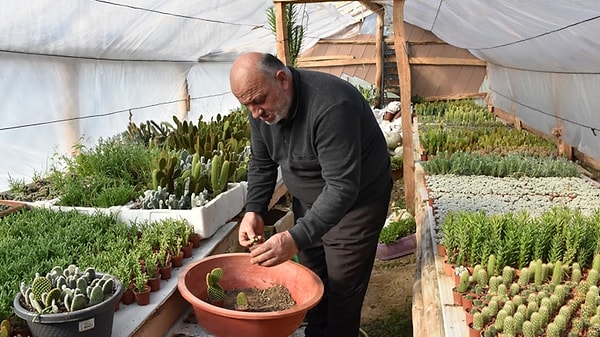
[
  {"x": 116, "y": 248},
  {"x": 542, "y": 299}
]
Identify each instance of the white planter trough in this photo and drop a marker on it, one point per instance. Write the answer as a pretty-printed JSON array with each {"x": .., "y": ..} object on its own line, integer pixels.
[{"x": 206, "y": 219}]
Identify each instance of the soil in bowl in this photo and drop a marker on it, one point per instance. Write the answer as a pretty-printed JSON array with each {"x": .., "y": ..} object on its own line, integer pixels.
[{"x": 274, "y": 298}]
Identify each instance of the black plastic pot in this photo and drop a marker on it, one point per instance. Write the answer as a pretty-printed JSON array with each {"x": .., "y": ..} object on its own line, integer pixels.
[{"x": 94, "y": 321}]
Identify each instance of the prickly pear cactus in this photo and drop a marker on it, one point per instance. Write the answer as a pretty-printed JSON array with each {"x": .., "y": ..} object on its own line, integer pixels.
[{"x": 214, "y": 290}]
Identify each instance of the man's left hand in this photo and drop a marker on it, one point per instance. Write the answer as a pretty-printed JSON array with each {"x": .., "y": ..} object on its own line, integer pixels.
[{"x": 277, "y": 249}]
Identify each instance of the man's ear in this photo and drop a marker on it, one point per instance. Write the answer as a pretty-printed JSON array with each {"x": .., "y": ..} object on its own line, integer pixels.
[{"x": 283, "y": 78}]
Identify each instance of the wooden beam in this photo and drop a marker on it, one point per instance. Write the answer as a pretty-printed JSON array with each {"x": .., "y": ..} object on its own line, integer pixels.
[
  {"x": 408, "y": 153},
  {"x": 380, "y": 11},
  {"x": 283, "y": 49},
  {"x": 456, "y": 97},
  {"x": 447, "y": 61},
  {"x": 325, "y": 58},
  {"x": 334, "y": 63}
]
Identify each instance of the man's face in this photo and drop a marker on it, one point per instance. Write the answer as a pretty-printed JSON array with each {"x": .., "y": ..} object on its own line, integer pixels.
[{"x": 266, "y": 98}]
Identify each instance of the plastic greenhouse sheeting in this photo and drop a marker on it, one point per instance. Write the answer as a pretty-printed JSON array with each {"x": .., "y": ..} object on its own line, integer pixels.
[
  {"x": 75, "y": 71},
  {"x": 543, "y": 58}
]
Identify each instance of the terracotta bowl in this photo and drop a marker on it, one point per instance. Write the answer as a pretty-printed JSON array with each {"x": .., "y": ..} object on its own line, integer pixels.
[{"x": 305, "y": 287}]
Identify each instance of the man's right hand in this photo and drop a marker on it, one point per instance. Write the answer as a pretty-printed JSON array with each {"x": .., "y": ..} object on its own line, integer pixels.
[{"x": 251, "y": 230}]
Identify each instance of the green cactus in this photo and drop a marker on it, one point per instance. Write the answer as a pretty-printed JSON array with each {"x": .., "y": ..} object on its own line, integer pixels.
[
  {"x": 552, "y": 330},
  {"x": 494, "y": 282},
  {"x": 499, "y": 324},
  {"x": 577, "y": 325},
  {"x": 510, "y": 327},
  {"x": 524, "y": 277},
  {"x": 96, "y": 295},
  {"x": 463, "y": 283},
  {"x": 481, "y": 277},
  {"x": 508, "y": 275},
  {"x": 478, "y": 321},
  {"x": 40, "y": 285},
  {"x": 214, "y": 290},
  {"x": 528, "y": 329},
  {"x": 242, "y": 302},
  {"x": 79, "y": 302},
  {"x": 561, "y": 322},
  {"x": 67, "y": 289},
  {"x": 538, "y": 273},
  {"x": 531, "y": 308},
  {"x": 592, "y": 278},
  {"x": 491, "y": 265},
  {"x": 557, "y": 274},
  {"x": 545, "y": 315},
  {"x": 576, "y": 274},
  {"x": 537, "y": 321},
  {"x": 5, "y": 328}
]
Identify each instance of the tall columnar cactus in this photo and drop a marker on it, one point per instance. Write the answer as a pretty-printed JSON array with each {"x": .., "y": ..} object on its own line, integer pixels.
[
  {"x": 214, "y": 290},
  {"x": 524, "y": 277},
  {"x": 508, "y": 275},
  {"x": 557, "y": 274},
  {"x": 491, "y": 265},
  {"x": 575, "y": 273},
  {"x": 592, "y": 278},
  {"x": 221, "y": 171},
  {"x": 538, "y": 273}
]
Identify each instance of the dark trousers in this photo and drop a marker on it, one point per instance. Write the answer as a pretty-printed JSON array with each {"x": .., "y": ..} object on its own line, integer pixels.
[{"x": 343, "y": 259}]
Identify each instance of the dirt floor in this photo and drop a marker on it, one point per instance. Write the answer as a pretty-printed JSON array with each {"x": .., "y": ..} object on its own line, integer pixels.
[{"x": 387, "y": 307}]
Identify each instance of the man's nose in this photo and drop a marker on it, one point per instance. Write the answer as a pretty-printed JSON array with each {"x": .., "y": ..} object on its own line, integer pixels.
[{"x": 255, "y": 110}]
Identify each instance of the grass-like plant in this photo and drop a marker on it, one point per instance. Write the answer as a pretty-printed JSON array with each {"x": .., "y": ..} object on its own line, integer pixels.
[
  {"x": 113, "y": 172},
  {"x": 397, "y": 229},
  {"x": 494, "y": 165}
]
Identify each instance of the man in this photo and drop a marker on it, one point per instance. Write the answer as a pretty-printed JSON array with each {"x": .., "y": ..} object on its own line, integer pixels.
[{"x": 334, "y": 162}]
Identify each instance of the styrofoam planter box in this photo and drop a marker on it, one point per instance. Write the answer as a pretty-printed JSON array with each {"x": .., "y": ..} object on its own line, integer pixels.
[
  {"x": 206, "y": 219},
  {"x": 111, "y": 211}
]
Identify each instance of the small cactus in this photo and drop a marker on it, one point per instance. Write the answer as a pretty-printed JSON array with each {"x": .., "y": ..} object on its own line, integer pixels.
[
  {"x": 463, "y": 284},
  {"x": 478, "y": 321},
  {"x": 242, "y": 302},
  {"x": 552, "y": 330},
  {"x": 510, "y": 326},
  {"x": 524, "y": 277},
  {"x": 214, "y": 291},
  {"x": 528, "y": 329}
]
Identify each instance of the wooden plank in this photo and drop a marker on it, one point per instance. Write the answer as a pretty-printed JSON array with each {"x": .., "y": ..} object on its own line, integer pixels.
[
  {"x": 283, "y": 49},
  {"x": 335, "y": 63},
  {"x": 405, "y": 101},
  {"x": 379, "y": 10},
  {"x": 325, "y": 58},
  {"x": 429, "y": 300},
  {"x": 456, "y": 97},
  {"x": 446, "y": 61}
]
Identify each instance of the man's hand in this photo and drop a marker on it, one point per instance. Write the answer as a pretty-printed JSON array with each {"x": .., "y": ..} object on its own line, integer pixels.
[
  {"x": 251, "y": 229},
  {"x": 278, "y": 249}
]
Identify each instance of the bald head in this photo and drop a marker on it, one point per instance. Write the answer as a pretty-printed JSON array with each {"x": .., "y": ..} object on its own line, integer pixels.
[{"x": 263, "y": 84}]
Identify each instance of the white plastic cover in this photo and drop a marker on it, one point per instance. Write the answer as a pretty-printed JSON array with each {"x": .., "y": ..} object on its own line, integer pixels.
[
  {"x": 79, "y": 70},
  {"x": 543, "y": 58}
]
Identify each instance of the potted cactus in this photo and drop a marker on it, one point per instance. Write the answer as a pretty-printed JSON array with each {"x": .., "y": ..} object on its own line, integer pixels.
[{"x": 68, "y": 302}]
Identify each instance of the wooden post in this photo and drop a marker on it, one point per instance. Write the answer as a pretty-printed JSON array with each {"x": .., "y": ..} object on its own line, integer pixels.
[
  {"x": 380, "y": 11},
  {"x": 408, "y": 153},
  {"x": 283, "y": 49}
]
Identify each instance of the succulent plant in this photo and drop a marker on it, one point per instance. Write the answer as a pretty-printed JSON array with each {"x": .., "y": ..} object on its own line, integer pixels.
[
  {"x": 242, "y": 302},
  {"x": 463, "y": 284},
  {"x": 66, "y": 290},
  {"x": 214, "y": 290},
  {"x": 478, "y": 321},
  {"x": 528, "y": 329}
]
